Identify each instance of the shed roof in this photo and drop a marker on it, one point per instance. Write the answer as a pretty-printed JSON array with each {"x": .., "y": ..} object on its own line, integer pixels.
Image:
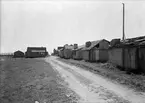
[
  {"x": 135, "y": 38},
  {"x": 93, "y": 44},
  {"x": 134, "y": 42},
  {"x": 60, "y": 47},
  {"x": 79, "y": 47},
  {"x": 142, "y": 43}
]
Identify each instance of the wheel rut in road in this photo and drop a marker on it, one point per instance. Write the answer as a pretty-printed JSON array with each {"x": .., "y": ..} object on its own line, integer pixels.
[{"x": 88, "y": 86}]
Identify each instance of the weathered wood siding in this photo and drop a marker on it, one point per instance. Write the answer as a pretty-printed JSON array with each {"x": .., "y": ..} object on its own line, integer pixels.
[
  {"x": 142, "y": 58},
  {"x": 130, "y": 59},
  {"x": 79, "y": 54},
  {"x": 94, "y": 54},
  {"x": 99, "y": 55},
  {"x": 115, "y": 56},
  {"x": 103, "y": 45},
  {"x": 103, "y": 55},
  {"x": 61, "y": 53},
  {"x": 85, "y": 55},
  {"x": 74, "y": 54},
  {"x": 67, "y": 53}
]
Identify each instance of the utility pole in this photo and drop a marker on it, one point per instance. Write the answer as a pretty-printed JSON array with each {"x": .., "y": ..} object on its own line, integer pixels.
[{"x": 123, "y": 37}]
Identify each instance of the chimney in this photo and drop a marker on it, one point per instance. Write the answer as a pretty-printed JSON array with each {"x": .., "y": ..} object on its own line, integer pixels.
[
  {"x": 88, "y": 44},
  {"x": 75, "y": 46}
]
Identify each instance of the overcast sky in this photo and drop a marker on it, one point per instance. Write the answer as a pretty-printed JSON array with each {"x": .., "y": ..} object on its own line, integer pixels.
[{"x": 54, "y": 23}]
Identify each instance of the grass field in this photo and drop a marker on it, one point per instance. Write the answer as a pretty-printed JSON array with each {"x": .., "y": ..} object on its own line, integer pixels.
[{"x": 29, "y": 80}]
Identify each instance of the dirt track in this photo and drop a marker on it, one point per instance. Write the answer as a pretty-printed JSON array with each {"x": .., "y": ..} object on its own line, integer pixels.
[{"x": 93, "y": 88}]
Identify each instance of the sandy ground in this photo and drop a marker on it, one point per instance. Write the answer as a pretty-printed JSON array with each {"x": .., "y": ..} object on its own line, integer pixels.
[
  {"x": 93, "y": 88},
  {"x": 32, "y": 81}
]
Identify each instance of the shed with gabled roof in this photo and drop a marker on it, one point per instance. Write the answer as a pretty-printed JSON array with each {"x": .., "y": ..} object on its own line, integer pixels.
[
  {"x": 61, "y": 52},
  {"x": 68, "y": 51},
  {"x": 77, "y": 53},
  {"x": 18, "y": 54},
  {"x": 97, "y": 51}
]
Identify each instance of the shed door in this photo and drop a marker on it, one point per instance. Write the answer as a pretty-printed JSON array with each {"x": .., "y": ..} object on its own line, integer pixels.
[
  {"x": 142, "y": 59},
  {"x": 130, "y": 58}
]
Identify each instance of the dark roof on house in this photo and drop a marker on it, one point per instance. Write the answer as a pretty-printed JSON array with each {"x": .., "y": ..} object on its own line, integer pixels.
[
  {"x": 93, "y": 44},
  {"x": 18, "y": 51},
  {"x": 36, "y": 48}
]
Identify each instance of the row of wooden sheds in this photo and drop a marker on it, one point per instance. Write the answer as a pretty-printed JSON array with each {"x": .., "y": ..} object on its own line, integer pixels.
[
  {"x": 66, "y": 51},
  {"x": 129, "y": 55},
  {"x": 91, "y": 51},
  {"x": 96, "y": 51}
]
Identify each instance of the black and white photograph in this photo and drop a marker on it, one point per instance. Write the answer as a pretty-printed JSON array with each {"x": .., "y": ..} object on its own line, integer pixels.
[{"x": 72, "y": 51}]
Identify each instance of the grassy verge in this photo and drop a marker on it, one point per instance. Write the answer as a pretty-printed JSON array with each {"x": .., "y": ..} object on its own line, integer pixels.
[{"x": 135, "y": 81}]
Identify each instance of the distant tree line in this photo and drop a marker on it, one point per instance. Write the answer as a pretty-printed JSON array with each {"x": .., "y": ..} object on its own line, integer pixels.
[{"x": 7, "y": 54}]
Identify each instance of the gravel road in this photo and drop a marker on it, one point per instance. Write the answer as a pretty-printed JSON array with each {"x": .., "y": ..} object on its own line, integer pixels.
[{"x": 93, "y": 88}]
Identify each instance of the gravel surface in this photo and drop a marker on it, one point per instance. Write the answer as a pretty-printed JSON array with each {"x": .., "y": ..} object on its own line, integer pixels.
[
  {"x": 92, "y": 87},
  {"x": 107, "y": 70}
]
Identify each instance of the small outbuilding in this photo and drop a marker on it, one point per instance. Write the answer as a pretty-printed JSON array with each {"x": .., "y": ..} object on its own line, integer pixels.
[
  {"x": 18, "y": 54},
  {"x": 68, "y": 51},
  {"x": 77, "y": 53},
  {"x": 96, "y": 51},
  {"x": 61, "y": 52}
]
